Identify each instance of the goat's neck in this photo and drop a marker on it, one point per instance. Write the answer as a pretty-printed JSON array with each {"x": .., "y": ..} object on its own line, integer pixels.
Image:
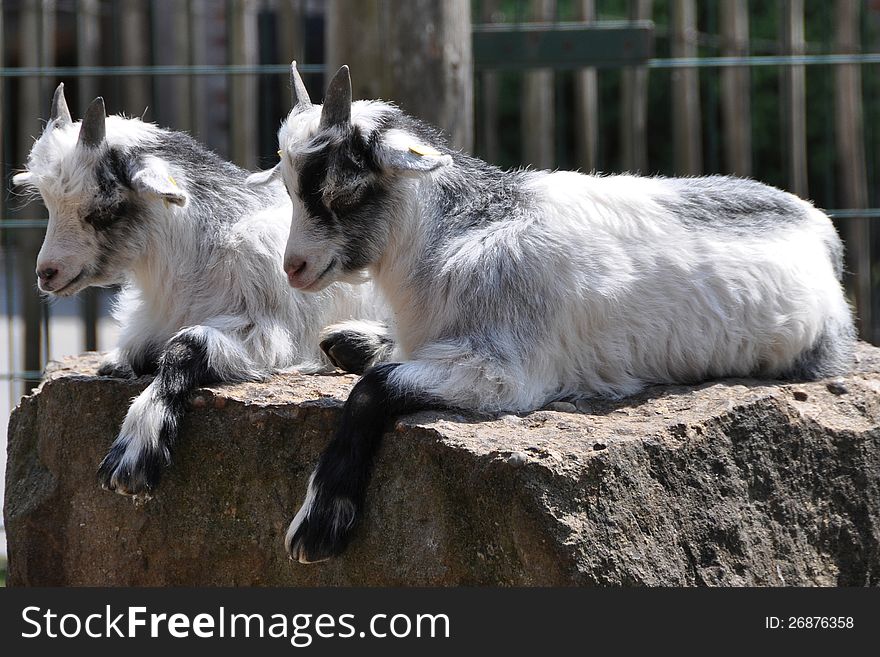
[
  {"x": 172, "y": 256},
  {"x": 394, "y": 273}
]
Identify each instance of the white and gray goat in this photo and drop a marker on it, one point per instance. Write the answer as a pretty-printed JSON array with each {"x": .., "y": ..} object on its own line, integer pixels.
[
  {"x": 510, "y": 289},
  {"x": 199, "y": 254}
]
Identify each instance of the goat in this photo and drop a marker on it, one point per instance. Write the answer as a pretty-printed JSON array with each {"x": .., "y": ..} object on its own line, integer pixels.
[
  {"x": 199, "y": 255},
  {"x": 511, "y": 289}
]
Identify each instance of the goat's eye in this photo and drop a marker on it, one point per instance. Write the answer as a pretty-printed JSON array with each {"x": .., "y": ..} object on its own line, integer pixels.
[{"x": 101, "y": 218}]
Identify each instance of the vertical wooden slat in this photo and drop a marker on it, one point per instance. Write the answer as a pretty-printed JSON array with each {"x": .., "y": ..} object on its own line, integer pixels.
[
  {"x": 291, "y": 31},
  {"x": 171, "y": 47},
  {"x": 429, "y": 58},
  {"x": 489, "y": 85},
  {"x": 686, "y": 122},
  {"x": 538, "y": 128},
  {"x": 586, "y": 103},
  {"x": 634, "y": 104},
  {"x": 88, "y": 44},
  {"x": 736, "y": 109},
  {"x": 37, "y": 49},
  {"x": 133, "y": 28},
  {"x": 852, "y": 174},
  {"x": 794, "y": 92},
  {"x": 291, "y": 42},
  {"x": 243, "y": 88},
  {"x": 353, "y": 37}
]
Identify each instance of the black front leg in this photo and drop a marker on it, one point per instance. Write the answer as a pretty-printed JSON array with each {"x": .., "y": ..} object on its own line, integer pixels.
[
  {"x": 324, "y": 524},
  {"x": 143, "y": 448}
]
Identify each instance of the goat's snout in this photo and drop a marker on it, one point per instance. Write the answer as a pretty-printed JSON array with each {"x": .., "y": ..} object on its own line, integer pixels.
[
  {"x": 46, "y": 274},
  {"x": 295, "y": 268}
]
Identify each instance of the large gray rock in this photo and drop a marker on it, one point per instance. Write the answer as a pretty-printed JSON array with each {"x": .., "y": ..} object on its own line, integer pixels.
[{"x": 736, "y": 482}]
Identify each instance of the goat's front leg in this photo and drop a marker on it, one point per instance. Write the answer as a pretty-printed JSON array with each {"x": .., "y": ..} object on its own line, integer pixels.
[
  {"x": 193, "y": 357},
  {"x": 335, "y": 496}
]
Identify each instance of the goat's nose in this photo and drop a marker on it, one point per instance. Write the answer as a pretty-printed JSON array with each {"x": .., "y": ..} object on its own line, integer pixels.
[
  {"x": 295, "y": 266},
  {"x": 46, "y": 274}
]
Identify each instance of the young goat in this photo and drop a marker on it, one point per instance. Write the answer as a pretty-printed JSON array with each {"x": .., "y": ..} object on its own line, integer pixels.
[
  {"x": 512, "y": 289},
  {"x": 199, "y": 253}
]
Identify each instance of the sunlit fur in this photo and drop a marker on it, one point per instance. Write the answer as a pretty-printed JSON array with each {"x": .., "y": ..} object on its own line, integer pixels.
[
  {"x": 512, "y": 289},
  {"x": 199, "y": 254}
]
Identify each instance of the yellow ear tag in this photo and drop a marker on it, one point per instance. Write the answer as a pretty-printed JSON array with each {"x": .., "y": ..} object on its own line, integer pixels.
[
  {"x": 173, "y": 182},
  {"x": 421, "y": 149},
  {"x": 279, "y": 154}
]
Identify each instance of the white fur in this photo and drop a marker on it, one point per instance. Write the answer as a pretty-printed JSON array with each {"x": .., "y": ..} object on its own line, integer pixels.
[
  {"x": 223, "y": 284},
  {"x": 628, "y": 293}
]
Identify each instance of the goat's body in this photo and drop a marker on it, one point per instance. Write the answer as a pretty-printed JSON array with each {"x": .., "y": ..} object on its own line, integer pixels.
[
  {"x": 589, "y": 285},
  {"x": 198, "y": 251},
  {"x": 227, "y": 276},
  {"x": 512, "y": 289}
]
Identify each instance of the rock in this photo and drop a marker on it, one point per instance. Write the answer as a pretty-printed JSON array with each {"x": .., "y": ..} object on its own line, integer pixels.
[
  {"x": 725, "y": 483},
  {"x": 561, "y": 407}
]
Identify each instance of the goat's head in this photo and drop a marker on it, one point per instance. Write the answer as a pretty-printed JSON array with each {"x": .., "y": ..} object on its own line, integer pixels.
[
  {"x": 98, "y": 183},
  {"x": 340, "y": 163}
]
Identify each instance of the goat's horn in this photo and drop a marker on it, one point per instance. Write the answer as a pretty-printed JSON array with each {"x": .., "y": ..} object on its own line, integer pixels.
[
  {"x": 60, "y": 114},
  {"x": 337, "y": 102},
  {"x": 298, "y": 89},
  {"x": 94, "y": 129}
]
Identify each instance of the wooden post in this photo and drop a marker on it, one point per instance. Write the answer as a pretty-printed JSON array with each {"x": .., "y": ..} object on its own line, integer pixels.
[
  {"x": 539, "y": 107},
  {"x": 243, "y": 88},
  {"x": 794, "y": 93},
  {"x": 291, "y": 42},
  {"x": 416, "y": 53},
  {"x": 735, "y": 89},
  {"x": 88, "y": 45},
  {"x": 291, "y": 35},
  {"x": 171, "y": 37},
  {"x": 852, "y": 172},
  {"x": 36, "y": 32},
  {"x": 490, "y": 90},
  {"x": 634, "y": 104},
  {"x": 430, "y": 63},
  {"x": 135, "y": 52},
  {"x": 686, "y": 121},
  {"x": 353, "y": 37},
  {"x": 586, "y": 103}
]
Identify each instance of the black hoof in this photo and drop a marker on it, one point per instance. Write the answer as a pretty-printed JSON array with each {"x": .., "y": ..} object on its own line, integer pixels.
[
  {"x": 323, "y": 533},
  {"x": 116, "y": 370},
  {"x": 131, "y": 476},
  {"x": 350, "y": 351}
]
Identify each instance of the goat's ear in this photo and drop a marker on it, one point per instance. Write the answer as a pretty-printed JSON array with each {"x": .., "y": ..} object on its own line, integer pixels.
[
  {"x": 153, "y": 177},
  {"x": 407, "y": 154},
  {"x": 23, "y": 178},
  {"x": 261, "y": 178}
]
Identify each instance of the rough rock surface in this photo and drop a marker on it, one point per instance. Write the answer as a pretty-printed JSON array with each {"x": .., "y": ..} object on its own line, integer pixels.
[{"x": 734, "y": 482}]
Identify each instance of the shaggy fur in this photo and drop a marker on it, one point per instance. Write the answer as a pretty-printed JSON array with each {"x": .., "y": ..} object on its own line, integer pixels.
[
  {"x": 511, "y": 289},
  {"x": 199, "y": 255}
]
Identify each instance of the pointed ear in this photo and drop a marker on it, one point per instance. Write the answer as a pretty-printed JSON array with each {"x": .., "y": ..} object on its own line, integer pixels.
[
  {"x": 261, "y": 178},
  {"x": 23, "y": 178},
  {"x": 407, "y": 154},
  {"x": 153, "y": 177}
]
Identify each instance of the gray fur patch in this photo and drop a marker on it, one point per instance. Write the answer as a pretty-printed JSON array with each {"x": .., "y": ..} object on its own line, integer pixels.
[{"x": 737, "y": 205}]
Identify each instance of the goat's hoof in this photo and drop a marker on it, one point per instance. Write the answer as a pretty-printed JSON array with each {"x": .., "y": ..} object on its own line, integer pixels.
[
  {"x": 116, "y": 370},
  {"x": 350, "y": 351},
  {"x": 133, "y": 475},
  {"x": 321, "y": 531}
]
